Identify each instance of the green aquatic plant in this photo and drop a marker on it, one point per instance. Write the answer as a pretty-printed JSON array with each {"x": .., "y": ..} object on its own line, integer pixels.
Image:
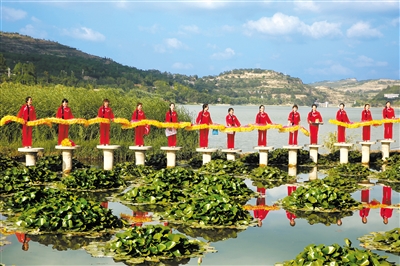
[
  {"x": 178, "y": 177},
  {"x": 221, "y": 166},
  {"x": 54, "y": 163},
  {"x": 93, "y": 179},
  {"x": 270, "y": 177},
  {"x": 7, "y": 162},
  {"x": 353, "y": 171},
  {"x": 130, "y": 171},
  {"x": 388, "y": 241},
  {"x": 336, "y": 255}
]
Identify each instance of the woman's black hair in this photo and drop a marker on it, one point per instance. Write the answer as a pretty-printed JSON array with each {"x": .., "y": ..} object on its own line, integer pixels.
[
  {"x": 230, "y": 109},
  {"x": 27, "y": 98},
  {"x": 365, "y": 105},
  {"x": 387, "y": 102},
  {"x": 205, "y": 106},
  {"x": 261, "y": 106},
  {"x": 342, "y": 104},
  {"x": 64, "y": 100},
  {"x": 295, "y": 105},
  {"x": 314, "y": 105}
]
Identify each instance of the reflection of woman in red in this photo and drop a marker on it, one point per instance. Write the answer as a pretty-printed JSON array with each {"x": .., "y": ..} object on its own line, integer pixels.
[
  {"x": 204, "y": 117},
  {"x": 366, "y": 116},
  {"x": 105, "y": 112},
  {"x": 231, "y": 121},
  {"x": 262, "y": 118},
  {"x": 290, "y": 215},
  {"x": 63, "y": 112},
  {"x": 104, "y": 204},
  {"x": 138, "y": 115},
  {"x": 364, "y": 211},
  {"x": 388, "y": 113},
  {"x": 27, "y": 112},
  {"x": 171, "y": 116},
  {"x": 22, "y": 238},
  {"x": 293, "y": 120},
  {"x": 314, "y": 117},
  {"x": 386, "y": 213},
  {"x": 260, "y": 214},
  {"x": 139, "y": 214},
  {"x": 341, "y": 116}
]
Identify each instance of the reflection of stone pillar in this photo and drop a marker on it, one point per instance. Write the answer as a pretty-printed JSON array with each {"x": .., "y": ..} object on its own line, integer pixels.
[
  {"x": 140, "y": 153},
  {"x": 313, "y": 174},
  {"x": 293, "y": 154},
  {"x": 292, "y": 171},
  {"x": 66, "y": 152},
  {"x": 385, "y": 147},
  {"x": 108, "y": 155},
  {"x": 314, "y": 152},
  {"x": 344, "y": 151},
  {"x": 231, "y": 154},
  {"x": 171, "y": 155},
  {"x": 365, "y": 151},
  {"x": 30, "y": 155},
  {"x": 263, "y": 154},
  {"x": 206, "y": 154}
]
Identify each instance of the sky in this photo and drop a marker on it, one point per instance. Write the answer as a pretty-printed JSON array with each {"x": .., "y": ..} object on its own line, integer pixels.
[{"x": 310, "y": 40}]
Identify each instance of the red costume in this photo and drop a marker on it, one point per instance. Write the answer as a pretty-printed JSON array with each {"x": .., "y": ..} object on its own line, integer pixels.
[
  {"x": 260, "y": 214},
  {"x": 139, "y": 130},
  {"x": 27, "y": 112},
  {"x": 387, "y": 200},
  {"x": 171, "y": 116},
  {"x": 341, "y": 116},
  {"x": 388, "y": 113},
  {"x": 290, "y": 215},
  {"x": 139, "y": 214},
  {"x": 366, "y": 133},
  {"x": 262, "y": 119},
  {"x": 21, "y": 237},
  {"x": 104, "y": 204},
  {"x": 105, "y": 112},
  {"x": 312, "y": 118},
  {"x": 294, "y": 120},
  {"x": 204, "y": 117},
  {"x": 63, "y": 113},
  {"x": 365, "y": 199},
  {"x": 231, "y": 121}
]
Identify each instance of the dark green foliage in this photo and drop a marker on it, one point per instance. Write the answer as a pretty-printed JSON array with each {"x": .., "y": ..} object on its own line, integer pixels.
[
  {"x": 270, "y": 177},
  {"x": 157, "y": 160},
  {"x": 281, "y": 157},
  {"x": 221, "y": 166},
  {"x": 7, "y": 162},
  {"x": 131, "y": 171},
  {"x": 63, "y": 242},
  {"x": 93, "y": 179},
  {"x": 54, "y": 163},
  {"x": 388, "y": 241},
  {"x": 326, "y": 218},
  {"x": 351, "y": 171}
]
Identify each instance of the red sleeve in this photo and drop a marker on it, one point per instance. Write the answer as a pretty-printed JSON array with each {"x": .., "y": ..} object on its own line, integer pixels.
[
  {"x": 21, "y": 112},
  {"x": 237, "y": 122},
  {"x": 33, "y": 113},
  {"x": 144, "y": 116},
  {"x": 337, "y": 115},
  {"x": 257, "y": 118},
  {"x": 364, "y": 116},
  {"x": 58, "y": 115},
  {"x": 227, "y": 121},
  {"x": 198, "y": 119},
  {"x": 175, "y": 118},
  {"x": 267, "y": 118},
  {"x": 70, "y": 114},
  {"x": 167, "y": 117},
  {"x": 320, "y": 117},
  {"x": 100, "y": 113},
  {"x": 111, "y": 114},
  {"x": 290, "y": 117},
  {"x": 210, "y": 120}
]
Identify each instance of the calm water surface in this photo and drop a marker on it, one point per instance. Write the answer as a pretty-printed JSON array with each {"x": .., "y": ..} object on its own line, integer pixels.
[{"x": 276, "y": 240}]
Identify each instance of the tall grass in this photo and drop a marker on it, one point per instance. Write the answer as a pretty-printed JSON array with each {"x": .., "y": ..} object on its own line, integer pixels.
[{"x": 85, "y": 103}]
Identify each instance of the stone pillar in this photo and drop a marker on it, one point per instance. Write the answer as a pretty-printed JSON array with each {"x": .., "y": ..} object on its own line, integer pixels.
[
  {"x": 30, "y": 155},
  {"x": 140, "y": 153},
  {"x": 365, "y": 151},
  {"x": 385, "y": 147},
  {"x": 206, "y": 154},
  {"x": 108, "y": 155},
  {"x": 171, "y": 155},
  {"x": 314, "y": 151},
  {"x": 66, "y": 152},
  {"x": 231, "y": 153},
  {"x": 344, "y": 151},
  {"x": 263, "y": 154},
  {"x": 293, "y": 154}
]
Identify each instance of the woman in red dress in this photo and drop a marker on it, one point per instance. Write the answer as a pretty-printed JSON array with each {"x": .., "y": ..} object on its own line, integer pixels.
[
  {"x": 388, "y": 113},
  {"x": 293, "y": 120},
  {"x": 364, "y": 212},
  {"x": 204, "y": 117},
  {"x": 22, "y": 238},
  {"x": 138, "y": 115},
  {"x": 260, "y": 214},
  {"x": 231, "y": 121},
  {"x": 386, "y": 213},
  {"x": 105, "y": 112},
  {"x": 289, "y": 215},
  {"x": 27, "y": 112},
  {"x": 366, "y": 116},
  {"x": 341, "y": 116},
  {"x": 314, "y": 118},
  {"x": 171, "y": 116},
  {"x": 63, "y": 112},
  {"x": 262, "y": 118}
]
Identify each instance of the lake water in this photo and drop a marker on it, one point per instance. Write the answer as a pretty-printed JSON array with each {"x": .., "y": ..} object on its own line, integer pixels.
[
  {"x": 279, "y": 114},
  {"x": 276, "y": 240}
]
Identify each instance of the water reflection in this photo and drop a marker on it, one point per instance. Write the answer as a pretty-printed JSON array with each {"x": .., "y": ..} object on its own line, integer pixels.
[
  {"x": 291, "y": 216},
  {"x": 260, "y": 214},
  {"x": 313, "y": 173},
  {"x": 386, "y": 213},
  {"x": 24, "y": 239},
  {"x": 292, "y": 171},
  {"x": 212, "y": 235}
]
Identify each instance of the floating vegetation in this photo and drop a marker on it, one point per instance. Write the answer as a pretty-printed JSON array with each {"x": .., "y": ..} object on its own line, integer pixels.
[
  {"x": 6, "y": 162},
  {"x": 131, "y": 171},
  {"x": 221, "y": 166},
  {"x": 354, "y": 171},
  {"x": 54, "y": 163},
  {"x": 336, "y": 255},
  {"x": 390, "y": 174},
  {"x": 280, "y": 157},
  {"x": 388, "y": 241},
  {"x": 326, "y": 218},
  {"x": 212, "y": 211},
  {"x": 66, "y": 213},
  {"x": 150, "y": 243},
  {"x": 349, "y": 185},
  {"x": 212, "y": 234},
  {"x": 93, "y": 179},
  {"x": 158, "y": 160},
  {"x": 270, "y": 177},
  {"x": 321, "y": 198},
  {"x": 178, "y": 177}
]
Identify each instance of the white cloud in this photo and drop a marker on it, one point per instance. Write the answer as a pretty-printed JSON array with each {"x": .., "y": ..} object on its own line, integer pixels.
[
  {"x": 152, "y": 29},
  {"x": 212, "y": 46},
  {"x": 308, "y": 6},
  {"x": 207, "y": 4},
  {"x": 363, "y": 30},
  {"x": 179, "y": 65},
  {"x": 12, "y": 14},
  {"x": 334, "y": 69},
  {"x": 364, "y": 61},
  {"x": 190, "y": 29},
  {"x": 35, "y": 19},
  {"x": 159, "y": 48},
  {"x": 174, "y": 43},
  {"x": 228, "y": 28},
  {"x": 395, "y": 22},
  {"x": 32, "y": 31},
  {"x": 281, "y": 24},
  {"x": 84, "y": 34},
  {"x": 226, "y": 54}
]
